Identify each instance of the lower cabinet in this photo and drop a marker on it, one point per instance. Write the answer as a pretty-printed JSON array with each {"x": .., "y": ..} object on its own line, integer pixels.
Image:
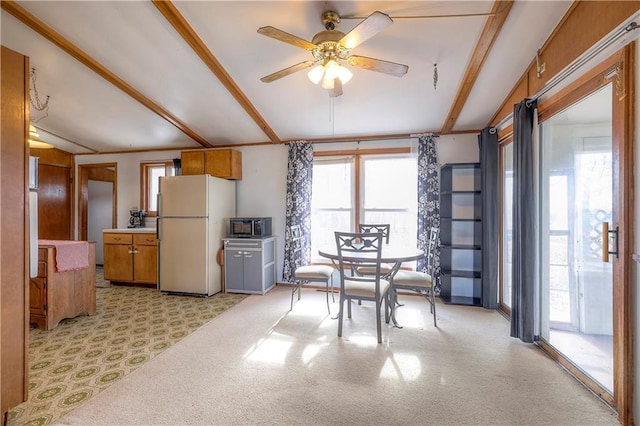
[
  {"x": 249, "y": 264},
  {"x": 131, "y": 257}
]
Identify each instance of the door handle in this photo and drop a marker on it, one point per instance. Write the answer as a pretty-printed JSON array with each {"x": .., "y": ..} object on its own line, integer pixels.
[{"x": 606, "y": 247}]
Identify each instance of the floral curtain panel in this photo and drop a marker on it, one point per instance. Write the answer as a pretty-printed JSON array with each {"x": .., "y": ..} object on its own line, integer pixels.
[
  {"x": 298, "y": 208},
  {"x": 428, "y": 200}
]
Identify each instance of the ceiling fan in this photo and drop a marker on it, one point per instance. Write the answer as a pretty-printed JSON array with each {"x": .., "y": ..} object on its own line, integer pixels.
[{"x": 330, "y": 49}]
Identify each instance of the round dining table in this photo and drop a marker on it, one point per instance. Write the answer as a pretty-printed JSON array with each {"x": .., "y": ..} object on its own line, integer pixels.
[{"x": 395, "y": 255}]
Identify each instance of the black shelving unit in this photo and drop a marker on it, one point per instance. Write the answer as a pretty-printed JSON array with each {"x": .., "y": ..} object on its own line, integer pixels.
[{"x": 461, "y": 234}]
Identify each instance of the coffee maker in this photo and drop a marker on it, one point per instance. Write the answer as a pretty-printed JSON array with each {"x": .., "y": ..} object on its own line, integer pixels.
[{"x": 136, "y": 219}]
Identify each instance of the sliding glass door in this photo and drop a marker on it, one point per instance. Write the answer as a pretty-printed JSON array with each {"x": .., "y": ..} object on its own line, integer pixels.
[{"x": 576, "y": 200}]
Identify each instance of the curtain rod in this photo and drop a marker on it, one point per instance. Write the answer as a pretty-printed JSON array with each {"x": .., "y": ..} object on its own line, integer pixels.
[{"x": 573, "y": 67}]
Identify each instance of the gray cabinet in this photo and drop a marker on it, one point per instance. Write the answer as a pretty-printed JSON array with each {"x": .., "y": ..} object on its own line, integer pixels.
[{"x": 249, "y": 264}]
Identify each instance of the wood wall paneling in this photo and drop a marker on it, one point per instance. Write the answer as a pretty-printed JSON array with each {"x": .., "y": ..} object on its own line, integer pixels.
[
  {"x": 14, "y": 231},
  {"x": 54, "y": 202},
  {"x": 53, "y": 156},
  {"x": 586, "y": 23},
  {"x": 55, "y": 189}
]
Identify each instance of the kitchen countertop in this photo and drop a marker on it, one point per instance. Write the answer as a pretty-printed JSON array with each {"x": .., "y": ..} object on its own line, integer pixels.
[{"x": 132, "y": 230}]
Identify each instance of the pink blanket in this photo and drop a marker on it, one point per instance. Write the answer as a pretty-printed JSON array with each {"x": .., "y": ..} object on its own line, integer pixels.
[{"x": 70, "y": 255}]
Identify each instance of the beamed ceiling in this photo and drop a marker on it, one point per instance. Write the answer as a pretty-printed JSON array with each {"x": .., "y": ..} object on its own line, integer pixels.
[{"x": 145, "y": 75}]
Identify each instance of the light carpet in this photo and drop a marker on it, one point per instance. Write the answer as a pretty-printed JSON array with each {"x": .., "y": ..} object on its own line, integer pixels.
[
  {"x": 261, "y": 364},
  {"x": 83, "y": 356}
]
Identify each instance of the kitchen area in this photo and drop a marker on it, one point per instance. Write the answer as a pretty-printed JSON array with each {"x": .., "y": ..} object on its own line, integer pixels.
[{"x": 195, "y": 244}]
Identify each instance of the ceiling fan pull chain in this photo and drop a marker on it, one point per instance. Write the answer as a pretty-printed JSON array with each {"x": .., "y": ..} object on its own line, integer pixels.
[{"x": 435, "y": 76}]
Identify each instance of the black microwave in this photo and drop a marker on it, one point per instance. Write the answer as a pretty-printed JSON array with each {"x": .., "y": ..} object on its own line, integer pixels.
[{"x": 248, "y": 227}]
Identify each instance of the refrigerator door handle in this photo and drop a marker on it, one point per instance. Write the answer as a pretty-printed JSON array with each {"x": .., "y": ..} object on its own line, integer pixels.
[
  {"x": 158, "y": 204},
  {"x": 158, "y": 228}
]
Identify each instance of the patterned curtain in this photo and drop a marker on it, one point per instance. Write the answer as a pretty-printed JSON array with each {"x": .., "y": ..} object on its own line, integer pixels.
[
  {"x": 428, "y": 200},
  {"x": 298, "y": 209}
]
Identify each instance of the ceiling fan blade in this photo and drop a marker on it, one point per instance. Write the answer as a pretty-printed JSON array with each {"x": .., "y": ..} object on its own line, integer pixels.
[
  {"x": 371, "y": 64},
  {"x": 366, "y": 29},
  {"x": 337, "y": 88},
  {"x": 285, "y": 72},
  {"x": 286, "y": 37}
]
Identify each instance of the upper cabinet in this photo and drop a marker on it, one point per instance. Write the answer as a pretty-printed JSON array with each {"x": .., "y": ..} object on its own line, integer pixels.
[{"x": 222, "y": 163}]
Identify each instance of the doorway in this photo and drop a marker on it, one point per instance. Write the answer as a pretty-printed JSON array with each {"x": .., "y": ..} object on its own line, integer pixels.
[
  {"x": 577, "y": 199},
  {"x": 97, "y": 202},
  {"x": 585, "y": 219}
]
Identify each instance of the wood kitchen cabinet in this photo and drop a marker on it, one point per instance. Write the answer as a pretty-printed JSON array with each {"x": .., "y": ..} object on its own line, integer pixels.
[
  {"x": 222, "y": 163},
  {"x": 131, "y": 257}
]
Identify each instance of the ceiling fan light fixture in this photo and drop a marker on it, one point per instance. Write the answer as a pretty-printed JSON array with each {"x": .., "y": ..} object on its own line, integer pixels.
[
  {"x": 327, "y": 83},
  {"x": 344, "y": 74},
  {"x": 33, "y": 132},
  {"x": 333, "y": 70},
  {"x": 33, "y": 143},
  {"x": 316, "y": 73},
  {"x": 39, "y": 144}
]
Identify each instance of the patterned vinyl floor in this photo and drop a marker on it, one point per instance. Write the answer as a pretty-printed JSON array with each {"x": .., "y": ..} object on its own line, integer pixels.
[{"x": 84, "y": 355}]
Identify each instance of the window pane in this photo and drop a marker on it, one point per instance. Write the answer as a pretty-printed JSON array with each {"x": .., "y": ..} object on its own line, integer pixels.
[
  {"x": 154, "y": 180},
  {"x": 390, "y": 183},
  {"x": 332, "y": 203},
  {"x": 332, "y": 182},
  {"x": 390, "y": 195},
  {"x": 323, "y": 225},
  {"x": 507, "y": 223}
]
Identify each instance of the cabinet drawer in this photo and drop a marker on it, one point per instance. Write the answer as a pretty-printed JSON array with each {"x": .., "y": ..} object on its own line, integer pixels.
[
  {"x": 145, "y": 239},
  {"x": 117, "y": 238}
]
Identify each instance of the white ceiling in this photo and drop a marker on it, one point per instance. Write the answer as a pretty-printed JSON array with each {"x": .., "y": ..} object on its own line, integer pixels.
[{"x": 134, "y": 41}]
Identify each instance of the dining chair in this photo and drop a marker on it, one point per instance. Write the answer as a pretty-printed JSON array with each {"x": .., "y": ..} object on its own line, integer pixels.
[
  {"x": 308, "y": 273},
  {"x": 420, "y": 282},
  {"x": 385, "y": 230},
  {"x": 363, "y": 249}
]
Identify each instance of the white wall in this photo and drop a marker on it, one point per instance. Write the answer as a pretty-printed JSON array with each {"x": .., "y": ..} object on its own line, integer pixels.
[
  {"x": 262, "y": 190},
  {"x": 99, "y": 213}
]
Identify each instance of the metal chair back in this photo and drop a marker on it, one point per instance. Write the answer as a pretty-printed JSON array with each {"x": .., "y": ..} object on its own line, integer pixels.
[{"x": 384, "y": 229}]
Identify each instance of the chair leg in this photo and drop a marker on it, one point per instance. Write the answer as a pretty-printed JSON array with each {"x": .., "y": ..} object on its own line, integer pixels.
[
  {"x": 386, "y": 309},
  {"x": 340, "y": 313},
  {"x": 333, "y": 299},
  {"x": 328, "y": 306},
  {"x": 379, "y": 320},
  {"x": 433, "y": 307},
  {"x": 296, "y": 287},
  {"x": 348, "y": 308},
  {"x": 293, "y": 290}
]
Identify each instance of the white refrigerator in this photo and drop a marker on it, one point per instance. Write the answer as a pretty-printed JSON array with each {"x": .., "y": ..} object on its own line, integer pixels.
[{"x": 193, "y": 218}]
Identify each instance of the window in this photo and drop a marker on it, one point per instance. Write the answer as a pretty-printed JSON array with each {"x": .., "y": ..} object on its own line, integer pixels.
[
  {"x": 506, "y": 248},
  {"x": 364, "y": 188},
  {"x": 150, "y": 174}
]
